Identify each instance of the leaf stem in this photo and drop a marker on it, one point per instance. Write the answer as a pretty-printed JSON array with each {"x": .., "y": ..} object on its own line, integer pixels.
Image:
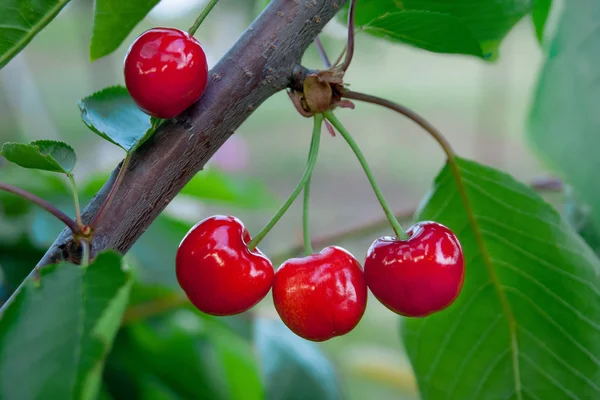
[
  {"x": 113, "y": 191},
  {"x": 75, "y": 200},
  {"x": 350, "y": 45},
  {"x": 51, "y": 208},
  {"x": 202, "y": 16},
  {"x": 85, "y": 252},
  {"x": 322, "y": 52},
  {"x": 312, "y": 159},
  {"x": 400, "y": 234}
]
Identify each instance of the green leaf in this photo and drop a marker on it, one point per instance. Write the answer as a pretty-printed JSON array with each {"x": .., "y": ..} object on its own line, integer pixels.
[
  {"x": 113, "y": 21},
  {"x": 45, "y": 155},
  {"x": 441, "y": 33},
  {"x": 21, "y": 20},
  {"x": 294, "y": 368},
  {"x": 488, "y": 20},
  {"x": 539, "y": 14},
  {"x": 564, "y": 121},
  {"x": 57, "y": 331},
  {"x": 217, "y": 186},
  {"x": 113, "y": 115},
  {"x": 260, "y": 5},
  {"x": 211, "y": 361},
  {"x": 526, "y": 325}
]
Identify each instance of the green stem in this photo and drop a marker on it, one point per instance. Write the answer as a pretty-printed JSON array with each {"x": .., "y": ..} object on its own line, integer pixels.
[
  {"x": 400, "y": 234},
  {"x": 308, "y": 250},
  {"x": 312, "y": 159},
  {"x": 202, "y": 16},
  {"x": 85, "y": 252},
  {"x": 75, "y": 200}
]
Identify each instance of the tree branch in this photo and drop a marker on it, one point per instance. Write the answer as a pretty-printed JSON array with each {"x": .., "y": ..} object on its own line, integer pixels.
[{"x": 260, "y": 64}]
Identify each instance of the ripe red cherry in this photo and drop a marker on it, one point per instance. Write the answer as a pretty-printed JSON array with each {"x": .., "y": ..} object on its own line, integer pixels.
[
  {"x": 418, "y": 276},
  {"x": 165, "y": 71},
  {"x": 218, "y": 272},
  {"x": 321, "y": 296}
]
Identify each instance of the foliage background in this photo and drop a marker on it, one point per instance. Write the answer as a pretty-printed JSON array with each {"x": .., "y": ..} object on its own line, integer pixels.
[{"x": 481, "y": 107}]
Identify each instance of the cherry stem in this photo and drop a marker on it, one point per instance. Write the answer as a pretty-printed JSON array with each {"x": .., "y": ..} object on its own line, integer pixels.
[
  {"x": 322, "y": 52},
  {"x": 400, "y": 234},
  {"x": 202, "y": 16},
  {"x": 75, "y": 201},
  {"x": 113, "y": 191},
  {"x": 407, "y": 112},
  {"x": 85, "y": 252},
  {"x": 312, "y": 159},
  {"x": 350, "y": 45},
  {"x": 308, "y": 250},
  {"x": 42, "y": 203},
  {"x": 342, "y": 54},
  {"x": 318, "y": 124}
]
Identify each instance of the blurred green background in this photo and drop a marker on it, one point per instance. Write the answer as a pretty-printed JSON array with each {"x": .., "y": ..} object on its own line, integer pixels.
[{"x": 480, "y": 107}]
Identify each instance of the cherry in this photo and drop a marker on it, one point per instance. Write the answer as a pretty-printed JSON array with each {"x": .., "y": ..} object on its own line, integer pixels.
[
  {"x": 418, "y": 276},
  {"x": 321, "y": 296},
  {"x": 165, "y": 71},
  {"x": 218, "y": 272}
]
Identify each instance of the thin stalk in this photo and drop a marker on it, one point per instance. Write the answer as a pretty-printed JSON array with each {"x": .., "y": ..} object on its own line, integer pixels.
[
  {"x": 350, "y": 45},
  {"x": 113, "y": 191},
  {"x": 308, "y": 250},
  {"x": 341, "y": 56},
  {"x": 400, "y": 234},
  {"x": 75, "y": 200},
  {"x": 312, "y": 159},
  {"x": 322, "y": 52},
  {"x": 51, "y": 208},
  {"x": 202, "y": 16},
  {"x": 85, "y": 252}
]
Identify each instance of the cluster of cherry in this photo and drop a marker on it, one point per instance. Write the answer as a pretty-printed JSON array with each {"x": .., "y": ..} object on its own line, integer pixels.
[
  {"x": 319, "y": 296},
  {"x": 322, "y": 295}
]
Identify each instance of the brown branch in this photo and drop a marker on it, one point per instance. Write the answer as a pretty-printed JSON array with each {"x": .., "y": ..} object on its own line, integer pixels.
[{"x": 260, "y": 64}]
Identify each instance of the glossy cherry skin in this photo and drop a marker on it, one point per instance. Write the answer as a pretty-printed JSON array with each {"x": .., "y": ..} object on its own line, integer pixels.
[
  {"x": 218, "y": 272},
  {"x": 321, "y": 296},
  {"x": 165, "y": 71},
  {"x": 418, "y": 276}
]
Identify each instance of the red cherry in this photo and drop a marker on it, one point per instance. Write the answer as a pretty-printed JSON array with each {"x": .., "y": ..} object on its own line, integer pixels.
[
  {"x": 321, "y": 296},
  {"x": 165, "y": 71},
  {"x": 418, "y": 276},
  {"x": 218, "y": 272}
]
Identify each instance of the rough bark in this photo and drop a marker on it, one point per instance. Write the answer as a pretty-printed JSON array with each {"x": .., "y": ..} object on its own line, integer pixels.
[{"x": 260, "y": 64}]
